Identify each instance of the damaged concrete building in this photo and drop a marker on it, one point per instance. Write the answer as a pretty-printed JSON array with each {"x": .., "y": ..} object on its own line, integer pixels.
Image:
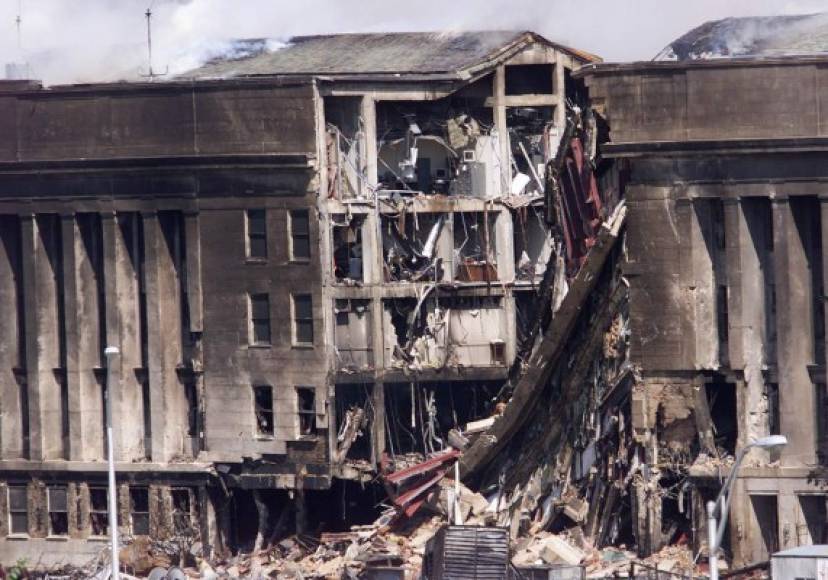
[
  {"x": 310, "y": 259},
  {"x": 366, "y": 258}
]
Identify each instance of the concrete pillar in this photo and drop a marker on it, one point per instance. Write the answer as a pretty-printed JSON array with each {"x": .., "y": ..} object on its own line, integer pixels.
[
  {"x": 168, "y": 403},
  {"x": 703, "y": 287},
  {"x": 505, "y": 244},
  {"x": 746, "y": 315},
  {"x": 195, "y": 301},
  {"x": 40, "y": 244},
  {"x": 12, "y": 396},
  {"x": 82, "y": 274},
  {"x": 559, "y": 87},
  {"x": 794, "y": 321},
  {"x": 123, "y": 330},
  {"x": 504, "y": 149},
  {"x": 368, "y": 115}
]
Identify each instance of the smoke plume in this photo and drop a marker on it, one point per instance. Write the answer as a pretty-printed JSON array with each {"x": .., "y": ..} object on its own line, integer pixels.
[{"x": 105, "y": 40}]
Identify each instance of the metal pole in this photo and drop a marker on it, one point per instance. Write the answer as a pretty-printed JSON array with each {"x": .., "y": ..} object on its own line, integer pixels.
[
  {"x": 712, "y": 548},
  {"x": 111, "y": 352}
]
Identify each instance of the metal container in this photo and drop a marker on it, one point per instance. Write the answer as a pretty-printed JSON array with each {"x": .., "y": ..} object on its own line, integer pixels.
[
  {"x": 468, "y": 553},
  {"x": 809, "y": 562}
]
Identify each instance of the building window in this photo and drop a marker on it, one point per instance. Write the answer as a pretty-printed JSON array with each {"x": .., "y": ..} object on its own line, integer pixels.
[
  {"x": 300, "y": 235},
  {"x": 259, "y": 319},
  {"x": 18, "y": 510},
  {"x": 263, "y": 402},
  {"x": 306, "y": 401},
  {"x": 58, "y": 512},
  {"x": 139, "y": 510},
  {"x": 302, "y": 319},
  {"x": 181, "y": 511},
  {"x": 98, "y": 510},
  {"x": 256, "y": 234}
]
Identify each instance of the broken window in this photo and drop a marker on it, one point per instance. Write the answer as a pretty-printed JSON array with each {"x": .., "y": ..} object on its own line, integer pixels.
[
  {"x": 821, "y": 420},
  {"x": 721, "y": 397},
  {"x": 352, "y": 334},
  {"x": 302, "y": 319},
  {"x": 18, "y": 510},
  {"x": 139, "y": 510},
  {"x": 533, "y": 243},
  {"x": 475, "y": 247},
  {"x": 259, "y": 319},
  {"x": 306, "y": 409},
  {"x": 300, "y": 249},
  {"x": 814, "y": 529},
  {"x": 765, "y": 510},
  {"x": 263, "y": 407},
  {"x": 354, "y": 415},
  {"x": 58, "y": 511},
  {"x": 181, "y": 510},
  {"x": 410, "y": 245},
  {"x": 98, "y": 510},
  {"x": 256, "y": 233},
  {"x": 347, "y": 248}
]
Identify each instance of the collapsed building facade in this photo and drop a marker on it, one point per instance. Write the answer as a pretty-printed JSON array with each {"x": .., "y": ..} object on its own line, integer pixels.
[{"x": 307, "y": 265}]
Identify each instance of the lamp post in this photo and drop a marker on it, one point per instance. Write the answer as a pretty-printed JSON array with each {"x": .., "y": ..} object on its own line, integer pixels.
[
  {"x": 715, "y": 529},
  {"x": 111, "y": 352}
]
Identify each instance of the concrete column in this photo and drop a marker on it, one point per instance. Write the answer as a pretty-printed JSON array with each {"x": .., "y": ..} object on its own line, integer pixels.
[
  {"x": 505, "y": 244},
  {"x": 559, "y": 87},
  {"x": 40, "y": 245},
  {"x": 123, "y": 330},
  {"x": 746, "y": 316},
  {"x": 704, "y": 286},
  {"x": 504, "y": 149},
  {"x": 168, "y": 403},
  {"x": 12, "y": 399},
  {"x": 794, "y": 316},
  {"x": 192, "y": 233},
  {"x": 368, "y": 114}
]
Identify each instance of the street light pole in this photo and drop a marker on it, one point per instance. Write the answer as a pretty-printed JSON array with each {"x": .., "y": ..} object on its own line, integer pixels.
[
  {"x": 111, "y": 352},
  {"x": 716, "y": 529}
]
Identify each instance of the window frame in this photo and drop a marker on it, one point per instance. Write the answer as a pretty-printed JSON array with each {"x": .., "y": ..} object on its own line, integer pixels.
[
  {"x": 296, "y": 321},
  {"x": 190, "y": 502},
  {"x": 258, "y": 433},
  {"x": 294, "y": 235},
  {"x": 252, "y": 319},
  {"x": 133, "y": 511},
  {"x": 311, "y": 432},
  {"x": 12, "y": 510},
  {"x": 250, "y": 235},
  {"x": 104, "y": 512},
  {"x": 50, "y": 511}
]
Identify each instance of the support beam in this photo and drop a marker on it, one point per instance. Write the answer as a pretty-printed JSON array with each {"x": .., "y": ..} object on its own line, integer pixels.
[
  {"x": 504, "y": 149},
  {"x": 12, "y": 397}
]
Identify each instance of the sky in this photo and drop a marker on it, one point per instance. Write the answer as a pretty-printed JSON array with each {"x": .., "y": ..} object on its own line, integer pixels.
[{"x": 69, "y": 41}]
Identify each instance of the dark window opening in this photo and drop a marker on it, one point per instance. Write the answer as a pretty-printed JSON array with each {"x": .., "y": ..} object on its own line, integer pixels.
[
  {"x": 263, "y": 407},
  {"x": 475, "y": 246},
  {"x": 721, "y": 398},
  {"x": 772, "y": 393},
  {"x": 302, "y": 319},
  {"x": 181, "y": 510},
  {"x": 821, "y": 420},
  {"x": 347, "y": 249},
  {"x": 256, "y": 233},
  {"x": 99, "y": 510},
  {"x": 139, "y": 510},
  {"x": 260, "y": 318},
  {"x": 765, "y": 510},
  {"x": 58, "y": 511},
  {"x": 306, "y": 402},
  {"x": 147, "y": 412},
  {"x": 816, "y": 520},
  {"x": 530, "y": 79},
  {"x": 18, "y": 510},
  {"x": 300, "y": 235}
]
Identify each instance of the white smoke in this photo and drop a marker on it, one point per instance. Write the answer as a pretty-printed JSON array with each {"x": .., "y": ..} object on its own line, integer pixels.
[{"x": 102, "y": 40}]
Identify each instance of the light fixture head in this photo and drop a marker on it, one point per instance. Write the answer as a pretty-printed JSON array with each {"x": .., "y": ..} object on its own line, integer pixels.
[{"x": 771, "y": 441}]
